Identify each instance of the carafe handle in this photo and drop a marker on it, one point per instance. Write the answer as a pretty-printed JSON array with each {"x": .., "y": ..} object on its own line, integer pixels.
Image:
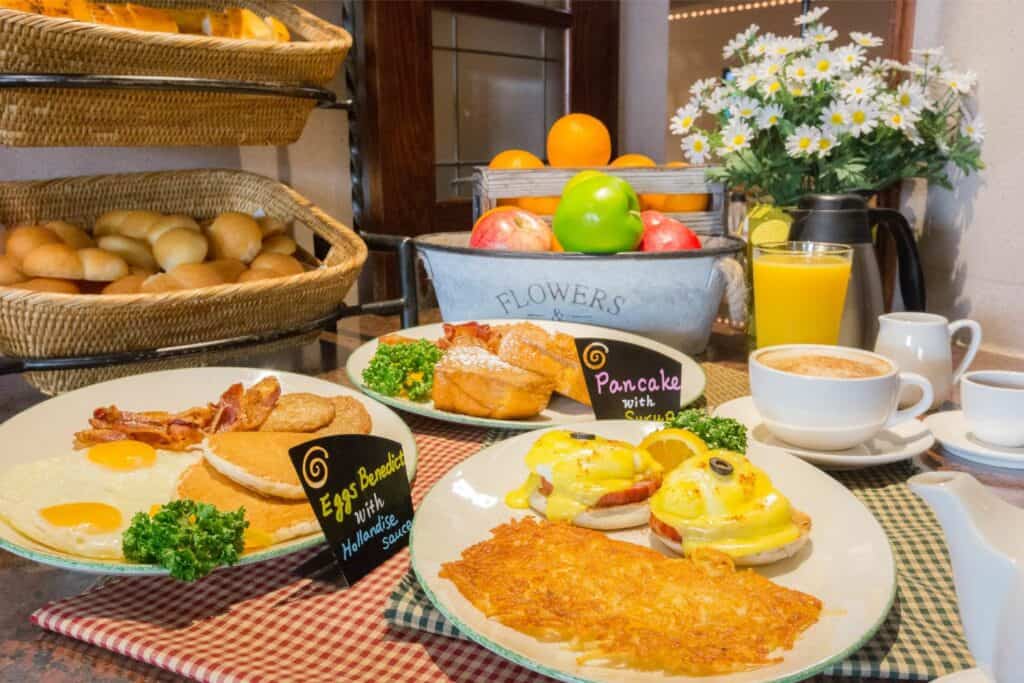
[
  {"x": 972, "y": 347},
  {"x": 911, "y": 273}
]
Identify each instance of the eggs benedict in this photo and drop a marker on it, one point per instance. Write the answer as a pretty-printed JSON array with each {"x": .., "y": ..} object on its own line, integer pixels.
[
  {"x": 720, "y": 500},
  {"x": 588, "y": 480}
]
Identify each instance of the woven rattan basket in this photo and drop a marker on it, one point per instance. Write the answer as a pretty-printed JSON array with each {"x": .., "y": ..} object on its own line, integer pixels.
[
  {"x": 44, "y": 325},
  {"x": 107, "y": 117}
]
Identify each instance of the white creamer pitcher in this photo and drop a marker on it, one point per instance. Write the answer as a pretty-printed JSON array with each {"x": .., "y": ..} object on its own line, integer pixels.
[{"x": 920, "y": 343}]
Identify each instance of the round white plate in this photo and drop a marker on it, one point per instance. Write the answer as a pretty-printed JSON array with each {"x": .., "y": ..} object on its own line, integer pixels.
[
  {"x": 848, "y": 564},
  {"x": 950, "y": 428},
  {"x": 48, "y": 429},
  {"x": 893, "y": 444},
  {"x": 560, "y": 411}
]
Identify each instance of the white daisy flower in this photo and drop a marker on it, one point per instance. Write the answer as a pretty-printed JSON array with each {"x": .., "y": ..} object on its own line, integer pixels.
[
  {"x": 696, "y": 148},
  {"x": 827, "y": 141},
  {"x": 865, "y": 39},
  {"x": 910, "y": 97},
  {"x": 960, "y": 82},
  {"x": 835, "y": 116},
  {"x": 683, "y": 121},
  {"x": 862, "y": 116},
  {"x": 736, "y": 136},
  {"x": 928, "y": 52},
  {"x": 746, "y": 76},
  {"x": 900, "y": 119},
  {"x": 859, "y": 88},
  {"x": 850, "y": 56},
  {"x": 699, "y": 88},
  {"x": 823, "y": 65},
  {"x": 782, "y": 47},
  {"x": 797, "y": 89},
  {"x": 881, "y": 67},
  {"x": 716, "y": 101},
  {"x": 745, "y": 107},
  {"x": 769, "y": 68},
  {"x": 811, "y": 17},
  {"x": 974, "y": 128},
  {"x": 800, "y": 69},
  {"x": 730, "y": 49},
  {"x": 761, "y": 45},
  {"x": 820, "y": 33},
  {"x": 803, "y": 142},
  {"x": 750, "y": 32},
  {"x": 770, "y": 88},
  {"x": 769, "y": 116}
]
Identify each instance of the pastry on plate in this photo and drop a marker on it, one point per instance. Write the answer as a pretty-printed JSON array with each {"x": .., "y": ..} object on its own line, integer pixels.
[
  {"x": 529, "y": 347},
  {"x": 472, "y": 381}
]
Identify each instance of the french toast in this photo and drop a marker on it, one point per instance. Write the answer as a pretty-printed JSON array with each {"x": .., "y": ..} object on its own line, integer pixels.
[
  {"x": 472, "y": 381},
  {"x": 529, "y": 347}
]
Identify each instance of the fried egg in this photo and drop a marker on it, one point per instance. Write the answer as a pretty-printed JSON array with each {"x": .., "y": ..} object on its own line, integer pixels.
[{"x": 81, "y": 502}]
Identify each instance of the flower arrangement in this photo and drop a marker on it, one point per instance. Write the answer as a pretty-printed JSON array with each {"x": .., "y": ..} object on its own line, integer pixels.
[{"x": 797, "y": 115}]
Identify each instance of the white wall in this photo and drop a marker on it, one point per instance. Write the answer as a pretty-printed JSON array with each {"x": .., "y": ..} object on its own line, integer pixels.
[{"x": 973, "y": 237}]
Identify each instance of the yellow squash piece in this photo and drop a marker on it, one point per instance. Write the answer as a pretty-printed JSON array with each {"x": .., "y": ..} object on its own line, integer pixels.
[{"x": 279, "y": 30}]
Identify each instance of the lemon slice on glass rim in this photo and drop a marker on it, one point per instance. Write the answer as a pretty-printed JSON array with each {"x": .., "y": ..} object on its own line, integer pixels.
[{"x": 670, "y": 447}]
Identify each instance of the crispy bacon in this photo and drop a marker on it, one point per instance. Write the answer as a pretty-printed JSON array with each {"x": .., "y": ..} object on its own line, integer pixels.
[
  {"x": 243, "y": 410},
  {"x": 456, "y": 335}
]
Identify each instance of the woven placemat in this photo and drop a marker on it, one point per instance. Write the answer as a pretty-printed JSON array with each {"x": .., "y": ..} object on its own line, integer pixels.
[{"x": 920, "y": 639}]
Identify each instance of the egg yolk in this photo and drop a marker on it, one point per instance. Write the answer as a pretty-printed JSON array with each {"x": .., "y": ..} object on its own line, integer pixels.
[
  {"x": 255, "y": 538},
  {"x": 123, "y": 455},
  {"x": 96, "y": 518}
]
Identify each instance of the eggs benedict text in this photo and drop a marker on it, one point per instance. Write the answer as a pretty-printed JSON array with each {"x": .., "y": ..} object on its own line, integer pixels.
[
  {"x": 588, "y": 480},
  {"x": 720, "y": 500}
]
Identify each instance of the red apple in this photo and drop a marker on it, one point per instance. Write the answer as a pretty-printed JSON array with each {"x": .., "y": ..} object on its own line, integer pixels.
[
  {"x": 512, "y": 229},
  {"x": 662, "y": 233}
]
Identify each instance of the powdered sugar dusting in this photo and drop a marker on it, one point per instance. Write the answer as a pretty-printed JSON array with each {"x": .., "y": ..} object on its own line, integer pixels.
[{"x": 474, "y": 357}]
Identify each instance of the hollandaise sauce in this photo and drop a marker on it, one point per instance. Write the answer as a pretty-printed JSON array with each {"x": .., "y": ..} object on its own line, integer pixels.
[
  {"x": 578, "y": 473},
  {"x": 735, "y": 509}
]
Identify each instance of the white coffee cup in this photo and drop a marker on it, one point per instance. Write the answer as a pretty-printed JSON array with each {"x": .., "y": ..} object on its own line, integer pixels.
[
  {"x": 993, "y": 403},
  {"x": 830, "y": 413}
]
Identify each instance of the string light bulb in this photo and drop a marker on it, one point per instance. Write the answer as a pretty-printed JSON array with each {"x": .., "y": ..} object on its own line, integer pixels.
[{"x": 729, "y": 9}]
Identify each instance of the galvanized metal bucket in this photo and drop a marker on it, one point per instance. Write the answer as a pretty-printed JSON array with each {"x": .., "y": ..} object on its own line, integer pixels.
[{"x": 672, "y": 297}]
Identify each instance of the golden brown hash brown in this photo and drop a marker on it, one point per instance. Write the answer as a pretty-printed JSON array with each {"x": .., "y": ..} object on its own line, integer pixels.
[{"x": 620, "y": 604}]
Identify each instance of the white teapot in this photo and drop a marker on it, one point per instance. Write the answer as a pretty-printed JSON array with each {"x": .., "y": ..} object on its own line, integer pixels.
[{"x": 987, "y": 549}]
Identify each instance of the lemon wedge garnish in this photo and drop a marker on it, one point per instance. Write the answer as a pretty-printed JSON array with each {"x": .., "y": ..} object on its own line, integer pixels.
[
  {"x": 771, "y": 230},
  {"x": 670, "y": 447}
]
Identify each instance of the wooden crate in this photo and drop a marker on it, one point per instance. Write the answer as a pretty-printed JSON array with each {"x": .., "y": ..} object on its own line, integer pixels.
[{"x": 490, "y": 185}]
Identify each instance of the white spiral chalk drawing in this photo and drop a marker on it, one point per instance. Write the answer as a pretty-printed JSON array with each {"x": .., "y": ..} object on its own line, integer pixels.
[
  {"x": 595, "y": 355},
  {"x": 314, "y": 469}
]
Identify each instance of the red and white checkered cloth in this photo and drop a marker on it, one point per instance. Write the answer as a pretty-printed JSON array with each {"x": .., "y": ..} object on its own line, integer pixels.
[{"x": 261, "y": 623}]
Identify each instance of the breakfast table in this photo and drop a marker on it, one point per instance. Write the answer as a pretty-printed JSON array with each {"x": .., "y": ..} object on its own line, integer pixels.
[{"x": 28, "y": 652}]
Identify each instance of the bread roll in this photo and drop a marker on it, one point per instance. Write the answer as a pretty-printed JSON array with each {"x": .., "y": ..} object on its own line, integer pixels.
[
  {"x": 109, "y": 223},
  {"x": 129, "y": 284},
  {"x": 135, "y": 252},
  {"x": 280, "y": 263},
  {"x": 136, "y": 224},
  {"x": 179, "y": 246},
  {"x": 272, "y": 226},
  {"x": 195, "y": 275},
  {"x": 24, "y": 238},
  {"x": 228, "y": 268},
  {"x": 56, "y": 260},
  {"x": 235, "y": 235},
  {"x": 165, "y": 223},
  {"x": 70, "y": 234},
  {"x": 138, "y": 270},
  {"x": 45, "y": 284},
  {"x": 161, "y": 282},
  {"x": 254, "y": 274},
  {"x": 279, "y": 244},
  {"x": 9, "y": 271},
  {"x": 99, "y": 265}
]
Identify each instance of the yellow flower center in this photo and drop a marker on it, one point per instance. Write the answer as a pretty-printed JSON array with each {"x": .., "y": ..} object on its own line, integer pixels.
[
  {"x": 837, "y": 118},
  {"x": 859, "y": 117},
  {"x": 773, "y": 119},
  {"x": 687, "y": 122},
  {"x": 738, "y": 140},
  {"x": 824, "y": 144},
  {"x": 805, "y": 143},
  {"x": 774, "y": 86},
  {"x": 897, "y": 119},
  {"x": 823, "y": 65},
  {"x": 698, "y": 146},
  {"x": 904, "y": 100}
]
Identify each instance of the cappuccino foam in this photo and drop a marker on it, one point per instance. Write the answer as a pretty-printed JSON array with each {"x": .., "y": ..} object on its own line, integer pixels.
[{"x": 825, "y": 365}]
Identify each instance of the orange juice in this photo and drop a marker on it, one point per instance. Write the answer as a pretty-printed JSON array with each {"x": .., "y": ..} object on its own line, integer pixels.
[{"x": 799, "y": 296}]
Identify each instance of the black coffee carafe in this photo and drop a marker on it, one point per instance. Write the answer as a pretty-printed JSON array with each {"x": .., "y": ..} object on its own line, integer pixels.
[{"x": 846, "y": 219}]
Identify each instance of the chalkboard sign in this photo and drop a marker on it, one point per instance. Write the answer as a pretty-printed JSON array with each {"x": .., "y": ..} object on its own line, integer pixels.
[
  {"x": 359, "y": 490},
  {"x": 630, "y": 382}
]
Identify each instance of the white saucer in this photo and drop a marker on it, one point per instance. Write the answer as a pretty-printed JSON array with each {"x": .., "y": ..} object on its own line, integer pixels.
[
  {"x": 900, "y": 442},
  {"x": 950, "y": 428}
]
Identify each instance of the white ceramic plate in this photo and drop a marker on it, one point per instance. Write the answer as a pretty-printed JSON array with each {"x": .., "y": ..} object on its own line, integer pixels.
[
  {"x": 950, "y": 428},
  {"x": 848, "y": 564},
  {"x": 560, "y": 411},
  {"x": 47, "y": 429},
  {"x": 900, "y": 442}
]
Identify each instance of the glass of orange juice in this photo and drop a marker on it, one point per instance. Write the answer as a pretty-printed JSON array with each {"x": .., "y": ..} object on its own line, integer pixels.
[{"x": 800, "y": 291}]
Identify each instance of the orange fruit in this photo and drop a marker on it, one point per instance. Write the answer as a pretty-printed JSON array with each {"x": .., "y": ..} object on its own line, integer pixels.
[
  {"x": 519, "y": 158},
  {"x": 578, "y": 140},
  {"x": 555, "y": 244},
  {"x": 674, "y": 203},
  {"x": 647, "y": 201}
]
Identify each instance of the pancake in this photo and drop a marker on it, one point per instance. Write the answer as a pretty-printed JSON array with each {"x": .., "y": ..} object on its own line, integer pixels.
[
  {"x": 300, "y": 412},
  {"x": 350, "y": 417},
  {"x": 258, "y": 460},
  {"x": 272, "y": 519}
]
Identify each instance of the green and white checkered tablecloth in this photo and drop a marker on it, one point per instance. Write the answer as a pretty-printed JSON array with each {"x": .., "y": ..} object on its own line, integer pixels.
[{"x": 921, "y": 639}]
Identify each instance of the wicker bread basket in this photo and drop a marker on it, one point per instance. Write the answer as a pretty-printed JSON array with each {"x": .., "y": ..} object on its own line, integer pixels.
[
  {"x": 44, "y": 325},
  {"x": 107, "y": 117}
]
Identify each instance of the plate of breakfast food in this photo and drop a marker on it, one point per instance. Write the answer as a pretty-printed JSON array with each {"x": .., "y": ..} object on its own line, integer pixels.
[
  {"x": 510, "y": 374},
  {"x": 628, "y": 551},
  {"x": 149, "y": 474}
]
